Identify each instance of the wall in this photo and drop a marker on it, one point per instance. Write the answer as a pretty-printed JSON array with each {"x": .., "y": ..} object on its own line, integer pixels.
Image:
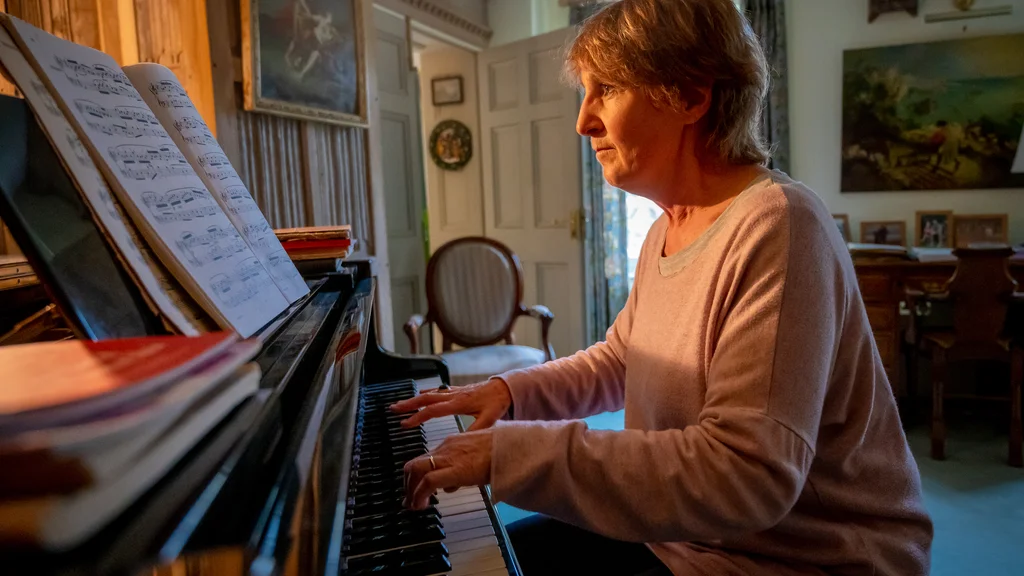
[
  {"x": 819, "y": 31},
  {"x": 454, "y": 199},
  {"x": 510, "y": 20}
]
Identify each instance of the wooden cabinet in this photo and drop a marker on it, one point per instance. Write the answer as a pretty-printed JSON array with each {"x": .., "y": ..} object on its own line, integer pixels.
[{"x": 882, "y": 285}]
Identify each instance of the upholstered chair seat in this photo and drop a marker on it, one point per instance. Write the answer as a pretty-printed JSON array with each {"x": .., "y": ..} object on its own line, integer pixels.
[{"x": 474, "y": 297}]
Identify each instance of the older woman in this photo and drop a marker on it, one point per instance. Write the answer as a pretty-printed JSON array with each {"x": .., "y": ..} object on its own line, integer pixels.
[{"x": 762, "y": 435}]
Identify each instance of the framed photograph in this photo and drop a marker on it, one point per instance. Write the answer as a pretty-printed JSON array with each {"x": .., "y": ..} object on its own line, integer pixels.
[
  {"x": 890, "y": 232},
  {"x": 305, "y": 59},
  {"x": 934, "y": 229},
  {"x": 980, "y": 229},
  {"x": 447, "y": 90},
  {"x": 843, "y": 223}
]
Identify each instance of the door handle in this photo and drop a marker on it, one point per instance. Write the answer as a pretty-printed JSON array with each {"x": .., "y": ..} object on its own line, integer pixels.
[{"x": 577, "y": 224}]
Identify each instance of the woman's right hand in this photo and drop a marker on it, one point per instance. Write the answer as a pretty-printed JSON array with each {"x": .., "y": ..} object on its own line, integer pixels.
[{"x": 487, "y": 402}]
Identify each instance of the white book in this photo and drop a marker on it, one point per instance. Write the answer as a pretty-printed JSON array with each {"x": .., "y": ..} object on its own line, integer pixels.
[{"x": 170, "y": 204}]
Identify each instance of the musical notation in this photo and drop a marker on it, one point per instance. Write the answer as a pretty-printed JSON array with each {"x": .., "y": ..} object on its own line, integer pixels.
[
  {"x": 215, "y": 244},
  {"x": 127, "y": 121},
  {"x": 43, "y": 94},
  {"x": 170, "y": 94},
  {"x": 141, "y": 162},
  {"x": 194, "y": 131},
  {"x": 108, "y": 203},
  {"x": 180, "y": 204},
  {"x": 241, "y": 284},
  {"x": 237, "y": 200},
  {"x": 81, "y": 154},
  {"x": 96, "y": 77},
  {"x": 257, "y": 233}
]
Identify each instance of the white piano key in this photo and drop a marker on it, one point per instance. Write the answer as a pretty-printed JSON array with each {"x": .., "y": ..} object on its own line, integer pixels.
[
  {"x": 459, "y": 508},
  {"x": 468, "y": 534},
  {"x": 460, "y": 494},
  {"x": 474, "y": 544},
  {"x": 503, "y": 571},
  {"x": 428, "y": 383},
  {"x": 475, "y": 561},
  {"x": 453, "y": 525}
]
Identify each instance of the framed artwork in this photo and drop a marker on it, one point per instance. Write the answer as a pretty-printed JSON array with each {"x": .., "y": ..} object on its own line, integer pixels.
[
  {"x": 933, "y": 116},
  {"x": 980, "y": 229},
  {"x": 843, "y": 223},
  {"x": 447, "y": 90},
  {"x": 934, "y": 229},
  {"x": 889, "y": 232},
  {"x": 305, "y": 59},
  {"x": 878, "y": 7},
  {"x": 451, "y": 145}
]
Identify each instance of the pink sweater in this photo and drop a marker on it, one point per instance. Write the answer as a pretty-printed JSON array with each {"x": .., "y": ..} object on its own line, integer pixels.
[{"x": 762, "y": 435}]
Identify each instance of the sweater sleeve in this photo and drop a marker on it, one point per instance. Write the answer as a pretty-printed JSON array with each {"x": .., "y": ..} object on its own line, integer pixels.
[
  {"x": 742, "y": 466},
  {"x": 590, "y": 381}
]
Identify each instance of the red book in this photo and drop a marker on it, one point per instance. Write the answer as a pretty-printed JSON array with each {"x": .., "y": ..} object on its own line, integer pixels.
[
  {"x": 56, "y": 383},
  {"x": 298, "y": 245}
]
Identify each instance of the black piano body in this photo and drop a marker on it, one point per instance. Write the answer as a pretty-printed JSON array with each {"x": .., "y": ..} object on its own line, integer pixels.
[{"x": 265, "y": 493}]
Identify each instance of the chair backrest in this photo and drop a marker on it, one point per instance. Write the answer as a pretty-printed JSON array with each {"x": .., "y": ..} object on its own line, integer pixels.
[
  {"x": 474, "y": 291},
  {"x": 980, "y": 290}
]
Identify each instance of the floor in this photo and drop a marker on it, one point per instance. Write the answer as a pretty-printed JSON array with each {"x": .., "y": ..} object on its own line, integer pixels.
[{"x": 976, "y": 501}]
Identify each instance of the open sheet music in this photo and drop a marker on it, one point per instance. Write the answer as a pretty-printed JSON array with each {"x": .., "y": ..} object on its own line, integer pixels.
[
  {"x": 178, "y": 215},
  {"x": 172, "y": 106},
  {"x": 175, "y": 306}
]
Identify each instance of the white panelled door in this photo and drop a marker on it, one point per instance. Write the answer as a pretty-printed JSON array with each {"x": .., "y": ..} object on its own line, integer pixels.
[
  {"x": 398, "y": 88},
  {"x": 531, "y": 178}
]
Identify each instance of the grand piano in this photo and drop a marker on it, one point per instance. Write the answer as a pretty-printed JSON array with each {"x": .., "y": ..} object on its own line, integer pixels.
[{"x": 306, "y": 477}]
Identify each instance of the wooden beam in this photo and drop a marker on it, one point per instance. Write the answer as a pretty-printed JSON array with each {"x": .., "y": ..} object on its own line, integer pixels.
[{"x": 222, "y": 18}]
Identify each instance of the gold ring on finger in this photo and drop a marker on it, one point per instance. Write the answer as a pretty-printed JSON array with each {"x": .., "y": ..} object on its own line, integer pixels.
[{"x": 433, "y": 465}]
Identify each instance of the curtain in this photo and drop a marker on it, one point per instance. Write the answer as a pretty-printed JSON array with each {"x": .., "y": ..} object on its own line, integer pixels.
[
  {"x": 768, "y": 19},
  {"x": 605, "y": 259}
]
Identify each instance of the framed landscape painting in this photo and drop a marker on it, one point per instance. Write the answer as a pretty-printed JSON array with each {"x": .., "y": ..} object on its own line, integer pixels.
[
  {"x": 933, "y": 116},
  {"x": 305, "y": 59},
  {"x": 893, "y": 233},
  {"x": 980, "y": 229}
]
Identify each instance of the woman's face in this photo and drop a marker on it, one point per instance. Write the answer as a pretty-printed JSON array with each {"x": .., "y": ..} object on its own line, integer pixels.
[{"x": 638, "y": 144}]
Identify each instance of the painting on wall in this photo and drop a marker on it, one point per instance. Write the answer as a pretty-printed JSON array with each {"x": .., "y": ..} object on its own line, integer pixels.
[
  {"x": 933, "y": 116},
  {"x": 305, "y": 59}
]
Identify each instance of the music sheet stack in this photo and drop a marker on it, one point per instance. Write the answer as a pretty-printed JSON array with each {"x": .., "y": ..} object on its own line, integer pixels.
[
  {"x": 87, "y": 427},
  {"x": 180, "y": 220}
]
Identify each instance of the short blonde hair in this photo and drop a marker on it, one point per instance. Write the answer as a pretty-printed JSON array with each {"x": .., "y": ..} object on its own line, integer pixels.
[{"x": 666, "y": 47}]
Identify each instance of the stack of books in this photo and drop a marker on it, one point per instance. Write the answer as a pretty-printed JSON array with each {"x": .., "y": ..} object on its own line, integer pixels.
[
  {"x": 87, "y": 427},
  {"x": 317, "y": 249},
  {"x": 877, "y": 251}
]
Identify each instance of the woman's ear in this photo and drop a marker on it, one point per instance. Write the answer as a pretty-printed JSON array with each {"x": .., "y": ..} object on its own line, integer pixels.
[{"x": 694, "y": 103}]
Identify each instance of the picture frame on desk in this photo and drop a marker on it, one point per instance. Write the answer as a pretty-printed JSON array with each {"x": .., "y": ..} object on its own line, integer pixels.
[
  {"x": 311, "y": 66},
  {"x": 889, "y": 232},
  {"x": 843, "y": 223},
  {"x": 934, "y": 229},
  {"x": 971, "y": 229}
]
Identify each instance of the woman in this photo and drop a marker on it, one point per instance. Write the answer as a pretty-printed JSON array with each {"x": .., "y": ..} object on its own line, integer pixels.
[{"x": 761, "y": 436}]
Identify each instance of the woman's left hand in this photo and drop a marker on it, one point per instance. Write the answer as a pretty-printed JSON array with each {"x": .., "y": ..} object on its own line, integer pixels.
[{"x": 461, "y": 460}]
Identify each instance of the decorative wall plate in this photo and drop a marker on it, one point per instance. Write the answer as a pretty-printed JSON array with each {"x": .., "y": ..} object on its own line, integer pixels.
[{"x": 451, "y": 145}]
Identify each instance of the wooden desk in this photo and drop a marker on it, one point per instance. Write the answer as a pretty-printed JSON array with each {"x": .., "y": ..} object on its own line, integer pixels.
[{"x": 882, "y": 285}]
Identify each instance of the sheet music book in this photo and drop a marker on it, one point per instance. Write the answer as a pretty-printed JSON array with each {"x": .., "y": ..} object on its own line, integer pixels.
[
  {"x": 166, "y": 297},
  {"x": 167, "y": 99},
  {"x": 178, "y": 216}
]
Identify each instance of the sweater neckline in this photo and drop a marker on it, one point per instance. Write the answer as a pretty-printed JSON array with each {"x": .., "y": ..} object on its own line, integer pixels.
[{"x": 672, "y": 265}]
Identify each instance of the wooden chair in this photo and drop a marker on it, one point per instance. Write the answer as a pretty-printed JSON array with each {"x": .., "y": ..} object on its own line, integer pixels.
[
  {"x": 474, "y": 297},
  {"x": 979, "y": 292}
]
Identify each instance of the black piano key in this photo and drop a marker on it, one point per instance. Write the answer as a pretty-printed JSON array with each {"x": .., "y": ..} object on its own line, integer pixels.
[
  {"x": 389, "y": 540},
  {"x": 413, "y": 561}
]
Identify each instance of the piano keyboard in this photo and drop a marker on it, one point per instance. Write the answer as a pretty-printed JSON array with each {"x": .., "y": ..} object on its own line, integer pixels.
[{"x": 454, "y": 536}]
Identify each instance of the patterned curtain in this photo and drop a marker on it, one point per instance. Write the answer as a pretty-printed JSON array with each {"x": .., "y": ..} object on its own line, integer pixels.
[
  {"x": 605, "y": 259},
  {"x": 768, "y": 19}
]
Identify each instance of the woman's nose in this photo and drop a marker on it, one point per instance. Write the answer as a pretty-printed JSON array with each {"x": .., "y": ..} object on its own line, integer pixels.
[{"x": 587, "y": 123}]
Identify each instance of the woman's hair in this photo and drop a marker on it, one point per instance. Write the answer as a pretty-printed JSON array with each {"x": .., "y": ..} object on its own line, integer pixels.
[{"x": 666, "y": 48}]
